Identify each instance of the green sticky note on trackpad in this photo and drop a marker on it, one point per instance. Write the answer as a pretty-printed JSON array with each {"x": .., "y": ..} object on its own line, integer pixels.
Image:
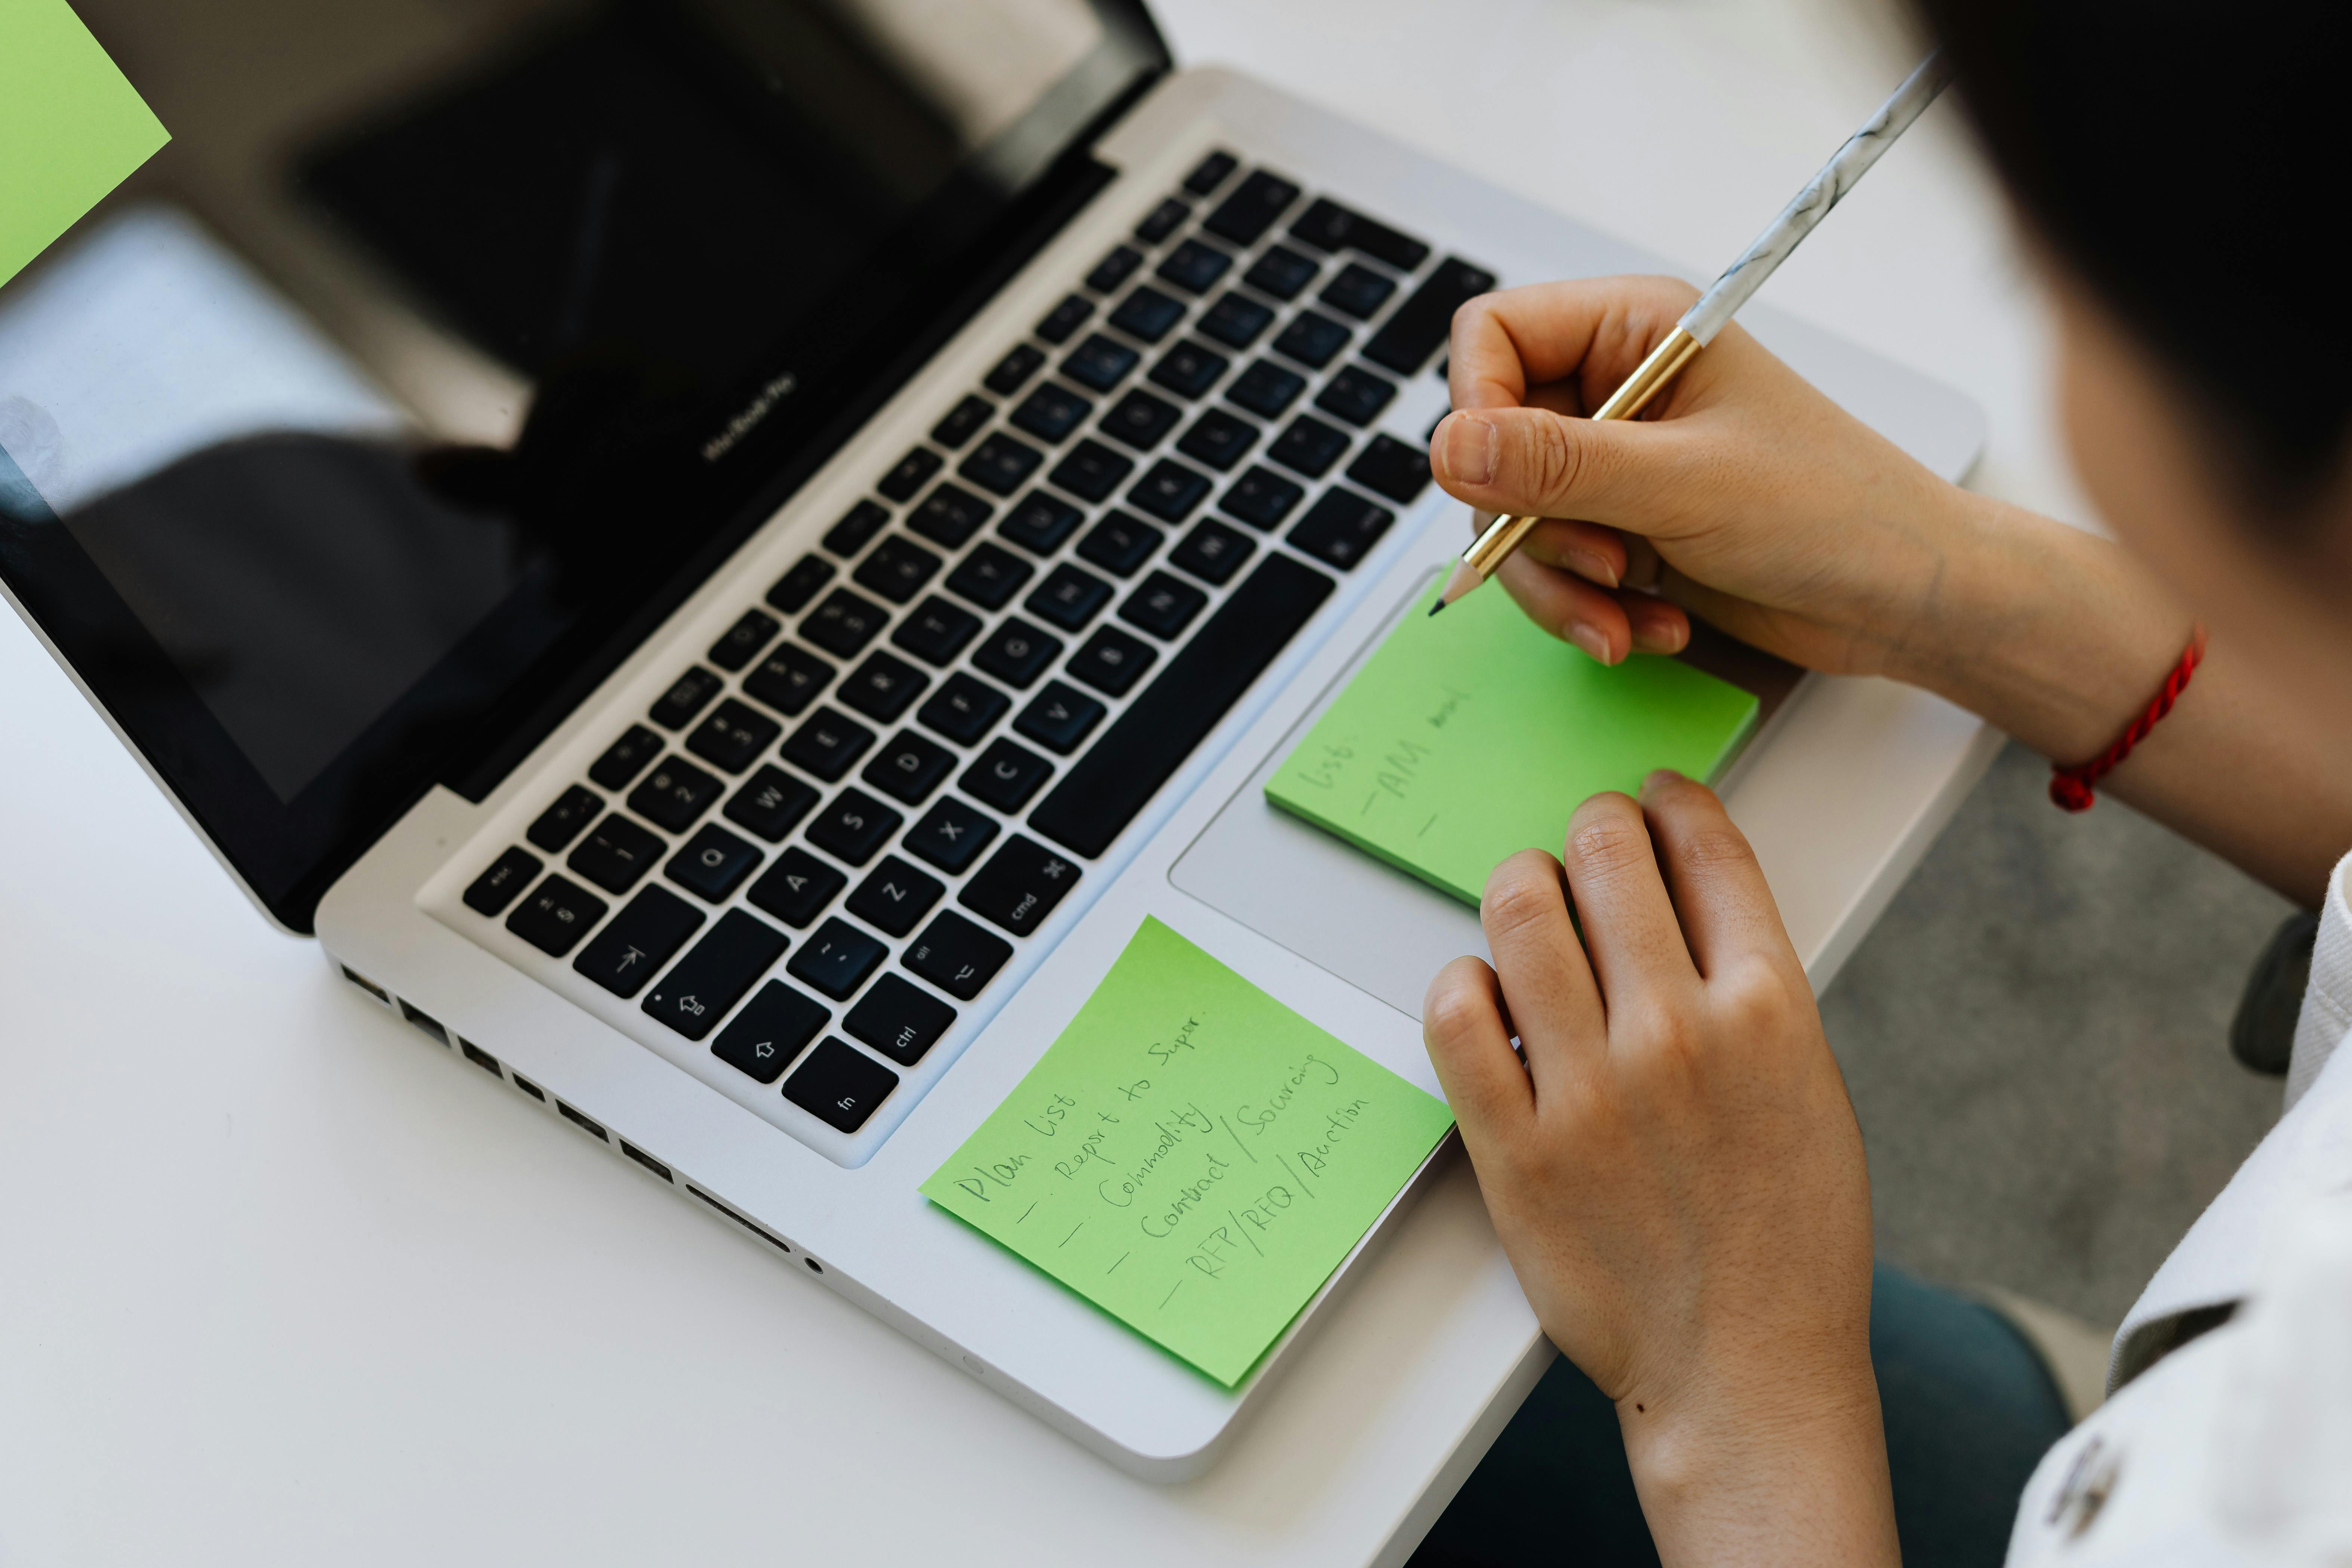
[
  {"x": 1474, "y": 734},
  {"x": 71, "y": 128},
  {"x": 1191, "y": 1156}
]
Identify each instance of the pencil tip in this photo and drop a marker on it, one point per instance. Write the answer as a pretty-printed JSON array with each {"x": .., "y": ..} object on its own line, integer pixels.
[{"x": 1437, "y": 606}]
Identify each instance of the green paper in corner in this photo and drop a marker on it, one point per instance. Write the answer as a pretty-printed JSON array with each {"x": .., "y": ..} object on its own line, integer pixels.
[
  {"x": 1191, "y": 1156},
  {"x": 71, "y": 128},
  {"x": 1469, "y": 736}
]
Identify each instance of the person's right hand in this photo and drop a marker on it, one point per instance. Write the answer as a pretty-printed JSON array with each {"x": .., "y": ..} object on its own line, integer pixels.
[{"x": 1742, "y": 495}]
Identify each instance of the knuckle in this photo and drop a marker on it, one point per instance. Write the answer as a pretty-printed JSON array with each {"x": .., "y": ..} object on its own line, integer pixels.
[
  {"x": 1521, "y": 891},
  {"x": 1713, "y": 848},
  {"x": 1606, "y": 841},
  {"x": 1455, "y": 1007},
  {"x": 1754, "y": 996},
  {"x": 1555, "y": 462}
]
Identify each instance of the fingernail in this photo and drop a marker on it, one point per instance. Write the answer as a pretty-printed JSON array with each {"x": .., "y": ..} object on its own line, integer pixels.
[
  {"x": 1589, "y": 641},
  {"x": 1469, "y": 449},
  {"x": 1657, "y": 777},
  {"x": 1596, "y": 567}
]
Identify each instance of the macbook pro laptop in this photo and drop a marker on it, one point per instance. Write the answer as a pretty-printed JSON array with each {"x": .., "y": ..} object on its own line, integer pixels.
[{"x": 721, "y": 556}]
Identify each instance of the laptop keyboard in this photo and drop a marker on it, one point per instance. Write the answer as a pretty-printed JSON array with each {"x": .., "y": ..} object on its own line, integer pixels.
[{"x": 829, "y": 836}]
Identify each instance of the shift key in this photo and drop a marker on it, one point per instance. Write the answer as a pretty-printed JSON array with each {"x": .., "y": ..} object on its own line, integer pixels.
[
  {"x": 712, "y": 978},
  {"x": 1019, "y": 885}
]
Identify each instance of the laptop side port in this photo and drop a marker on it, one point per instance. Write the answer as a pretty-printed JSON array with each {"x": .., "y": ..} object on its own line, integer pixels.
[
  {"x": 423, "y": 1020},
  {"x": 364, "y": 984},
  {"x": 648, "y": 1161},
  {"x": 529, "y": 1087},
  {"x": 739, "y": 1219},
  {"x": 479, "y": 1057},
  {"x": 579, "y": 1121}
]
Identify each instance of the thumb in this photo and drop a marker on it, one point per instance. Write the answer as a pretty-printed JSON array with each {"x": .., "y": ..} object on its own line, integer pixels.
[{"x": 1523, "y": 460}]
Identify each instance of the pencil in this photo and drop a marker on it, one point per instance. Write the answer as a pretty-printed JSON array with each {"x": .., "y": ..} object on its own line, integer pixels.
[{"x": 1702, "y": 320}]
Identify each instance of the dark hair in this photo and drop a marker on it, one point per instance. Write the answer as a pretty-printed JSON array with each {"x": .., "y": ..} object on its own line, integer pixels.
[{"x": 2187, "y": 159}]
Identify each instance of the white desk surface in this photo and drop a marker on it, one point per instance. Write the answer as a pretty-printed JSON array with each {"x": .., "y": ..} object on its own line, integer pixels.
[{"x": 280, "y": 1282}]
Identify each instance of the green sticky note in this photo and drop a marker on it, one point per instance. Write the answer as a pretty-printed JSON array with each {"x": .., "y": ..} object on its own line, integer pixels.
[
  {"x": 71, "y": 128},
  {"x": 1191, "y": 1156},
  {"x": 1471, "y": 735}
]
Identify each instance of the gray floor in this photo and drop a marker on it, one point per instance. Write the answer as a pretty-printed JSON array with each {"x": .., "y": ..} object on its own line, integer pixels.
[{"x": 2034, "y": 1038}]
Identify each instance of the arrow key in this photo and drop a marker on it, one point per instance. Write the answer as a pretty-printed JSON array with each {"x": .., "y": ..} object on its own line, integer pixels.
[{"x": 773, "y": 1028}]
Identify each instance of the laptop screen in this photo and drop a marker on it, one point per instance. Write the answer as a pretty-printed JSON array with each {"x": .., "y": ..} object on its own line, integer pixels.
[{"x": 444, "y": 346}]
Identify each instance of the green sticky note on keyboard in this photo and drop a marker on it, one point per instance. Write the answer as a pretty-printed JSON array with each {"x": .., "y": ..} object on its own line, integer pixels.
[
  {"x": 1474, "y": 734},
  {"x": 71, "y": 128},
  {"x": 1191, "y": 1156}
]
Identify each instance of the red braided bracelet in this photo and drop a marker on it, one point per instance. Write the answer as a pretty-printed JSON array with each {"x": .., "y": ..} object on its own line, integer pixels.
[{"x": 2070, "y": 788}]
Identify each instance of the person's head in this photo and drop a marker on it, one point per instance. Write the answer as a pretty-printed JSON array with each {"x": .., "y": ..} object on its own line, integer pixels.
[{"x": 2178, "y": 163}]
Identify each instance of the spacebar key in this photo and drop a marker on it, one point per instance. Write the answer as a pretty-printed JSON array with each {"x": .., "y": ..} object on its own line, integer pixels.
[{"x": 1122, "y": 771}]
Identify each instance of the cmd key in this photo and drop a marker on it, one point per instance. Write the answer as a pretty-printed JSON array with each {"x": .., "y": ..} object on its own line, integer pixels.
[{"x": 1019, "y": 885}]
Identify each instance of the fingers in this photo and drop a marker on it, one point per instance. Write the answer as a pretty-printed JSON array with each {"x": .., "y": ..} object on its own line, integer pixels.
[
  {"x": 1593, "y": 330},
  {"x": 1726, "y": 910},
  {"x": 1630, "y": 929},
  {"x": 1569, "y": 607},
  {"x": 1541, "y": 967},
  {"x": 1469, "y": 1040},
  {"x": 1593, "y": 553},
  {"x": 1524, "y": 460}
]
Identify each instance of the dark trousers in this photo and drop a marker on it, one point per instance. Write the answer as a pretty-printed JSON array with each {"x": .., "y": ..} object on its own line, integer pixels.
[{"x": 1969, "y": 1406}]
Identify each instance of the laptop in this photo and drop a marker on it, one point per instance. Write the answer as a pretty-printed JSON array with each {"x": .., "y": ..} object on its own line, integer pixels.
[{"x": 722, "y": 555}]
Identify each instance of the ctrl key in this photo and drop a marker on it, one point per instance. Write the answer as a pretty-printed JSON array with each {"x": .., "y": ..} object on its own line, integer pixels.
[
  {"x": 693, "y": 997},
  {"x": 557, "y": 914},
  {"x": 839, "y": 1087},
  {"x": 768, "y": 1034}
]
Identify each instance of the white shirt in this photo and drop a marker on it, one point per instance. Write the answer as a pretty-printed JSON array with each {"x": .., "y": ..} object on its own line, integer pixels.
[{"x": 2235, "y": 1448}]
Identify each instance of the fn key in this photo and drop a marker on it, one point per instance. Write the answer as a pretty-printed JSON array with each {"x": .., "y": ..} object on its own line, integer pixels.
[
  {"x": 840, "y": 1086},
  {"x": 695, "y": 996}
]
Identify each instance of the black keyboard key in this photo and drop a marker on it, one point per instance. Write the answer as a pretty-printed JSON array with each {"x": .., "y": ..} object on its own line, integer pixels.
[
  {"x": 1219, "y": 439},
  {"x": 615, "y": 853},
  {"x": 1266, "y": 389},
  {"x": 1212, "y": 172},
  {"x": 1015, "y": 651},
  {"x": 1327, "y": 226},
  {"x": 1309, "y": 447},
  {"x": 1188, "y": 370},
  {"x": 626, "y": 757},
  {"x": 1064, "y": 318},
  {"x": 912, "y": 473},
  {"x": 799, "y": 585},
  {"x": 788, "y": 679},
  {"x": 770, "y": 803},
  {"x": 1051, "y": 412},
  {"x": 693, "y": 997},
  {"x": 1041, "y": 523},
  {"x": 963, "y": 708},
  {"x": 1261, "y": 498},
  {"x": 557, "y": 914},
  {"x": 845, "y": 623},
  {"x": 1059, "y": 717},
  {"x": 1194, "y": 267},
  {"x": 643, "y": 936},
  {"x": 949, "y": 515},
  {"x": 688, "y": 695},
  {"x": 733, "y": 736},
  {"x": 827, "y": 743},
  {"x": 744, "y": 640},
  {"x": 1164, "y": 606},
  {"x": 950, "y": 835},
  {"x": 712, "y": 863},
  {"x": 1111, "y": 661},
  {"x": 855, "y": 529},
  {"x": 935, "y": 631},
  {"x": 1282, "y": 273},
  {"x": 1119, "y": 544},
  {"x": 1163, "y": 221},
  {"x": 908, "y": 768},
  {"x": 1395, "y": 469},
  {"x": 1340, "y": 528},
  {"x": 1423, "y": 322},
  {"x": 1104, "y": 789},
  {"x": 1013, "y": 370},
  {"x": 560, "y": 823},
  {"x": 1235, "y": 322},
  {"x": 896, "y": 570},
  {"x": 958, "y": 956},
  {"x": 1019, "y": 885},
  {"x": 1169, "y": 491},
  {"x": 836, "y": 959},
  {"x": 1245, "y": 215},
  {"x": 509, "y": 874},
  {"x": 1147, "y": 314},
  {"x": 1005, "y": 776},
  {"x": 1091, "y": 471},
  {"x": 1114, "y": 269},
  {"x": 797, "y": 888},
  {"x": 1358, "y": 291},
  {"x": 674, "y": 794},
  {"x": 1140, "y": 419},
  {"x": 1068, "y": 597},
  {"x": 883, "y": 686},
  {"x": 853, "y": 826},
  {"x": 1311, "y": 339},
  {"x": 1000, "y": 464},
  {"x": 962, "y": 422},
  {"x": 989, "y": 576},
  {"x": 1212, "y": 551},
  {"x": 770, "y": 1032},
  {"x": 899, "y": 1020},
  {"x": 840, "y": 1088},
  {"x": 1099, "y": 363},
  {"x": 894, "y": 895},
  {"x": 1356, "y": 395}
]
